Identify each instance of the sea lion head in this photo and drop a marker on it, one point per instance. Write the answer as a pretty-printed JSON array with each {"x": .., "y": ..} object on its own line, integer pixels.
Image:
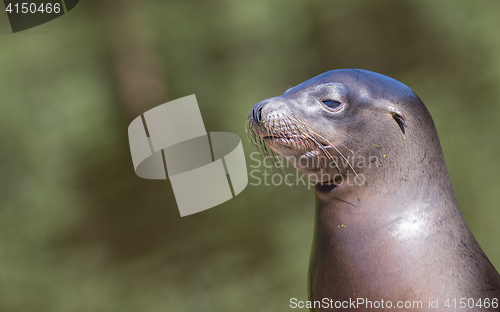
[{"x": 336, "y": 124}]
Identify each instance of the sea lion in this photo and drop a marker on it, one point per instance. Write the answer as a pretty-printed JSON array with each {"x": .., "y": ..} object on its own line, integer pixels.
[{"x": 388, "y": 229}]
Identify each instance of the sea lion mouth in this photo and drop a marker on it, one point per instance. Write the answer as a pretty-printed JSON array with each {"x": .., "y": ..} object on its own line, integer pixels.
[
  {"x": 295, "y": 142},
  {"x": 285, "y": 137},
  {"x": 281, "y": 132}
]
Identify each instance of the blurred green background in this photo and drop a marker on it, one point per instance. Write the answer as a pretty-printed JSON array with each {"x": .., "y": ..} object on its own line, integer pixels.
[{"x": 79, "y": 231}]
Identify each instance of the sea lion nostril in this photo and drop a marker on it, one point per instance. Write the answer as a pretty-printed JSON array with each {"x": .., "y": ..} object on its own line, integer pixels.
[{"x": 257, "y": 111}]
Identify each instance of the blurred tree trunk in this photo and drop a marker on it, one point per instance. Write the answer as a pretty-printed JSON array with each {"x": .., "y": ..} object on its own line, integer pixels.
[{"x": 137, "y": 68}]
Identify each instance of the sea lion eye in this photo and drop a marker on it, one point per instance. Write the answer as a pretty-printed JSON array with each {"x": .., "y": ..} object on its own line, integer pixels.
[{"x": 331, "y": 103}]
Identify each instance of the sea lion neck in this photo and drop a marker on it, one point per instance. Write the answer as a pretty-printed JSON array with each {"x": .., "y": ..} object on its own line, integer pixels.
[
  {"x": 379, "y": 204},
  {"x": 400, "y": 186}
]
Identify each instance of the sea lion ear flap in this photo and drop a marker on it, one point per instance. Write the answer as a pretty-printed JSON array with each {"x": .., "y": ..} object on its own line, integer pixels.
[{"x": 399, "y": 117}]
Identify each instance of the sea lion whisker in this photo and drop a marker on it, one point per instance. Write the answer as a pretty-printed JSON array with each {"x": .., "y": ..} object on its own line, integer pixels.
[
  {"x": 322, "y": 147},
  {"x": 266, "y": 153},
  {"x": 329, "y": 156},
  {"x": 321, "y": 134},
  {"x": 324, "y": 150}
]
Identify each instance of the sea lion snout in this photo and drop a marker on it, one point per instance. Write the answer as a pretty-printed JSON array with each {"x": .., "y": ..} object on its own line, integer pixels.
[{"x": 269, "y": 109}]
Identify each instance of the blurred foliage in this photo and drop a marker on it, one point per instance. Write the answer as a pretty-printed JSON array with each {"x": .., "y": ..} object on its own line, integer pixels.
[{"x": 80, "y": 232}]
